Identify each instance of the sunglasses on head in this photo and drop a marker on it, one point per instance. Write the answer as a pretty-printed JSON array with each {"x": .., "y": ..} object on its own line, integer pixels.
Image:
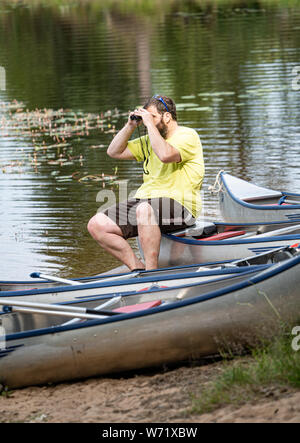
[{"x": 159, "y": 98}]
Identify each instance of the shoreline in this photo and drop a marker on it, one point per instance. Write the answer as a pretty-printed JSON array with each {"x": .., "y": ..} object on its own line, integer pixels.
[{"x": 159, "y": 395}]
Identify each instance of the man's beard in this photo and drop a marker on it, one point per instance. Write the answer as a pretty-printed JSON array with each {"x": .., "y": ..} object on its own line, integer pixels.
[{"x": 163, "y": 129}]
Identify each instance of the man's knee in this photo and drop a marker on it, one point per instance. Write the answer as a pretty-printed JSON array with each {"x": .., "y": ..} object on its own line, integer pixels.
[
  {"x": 145, "y": 214},
  {"x": 97, "y": 224},
  {"x": 100, "y": 224}
]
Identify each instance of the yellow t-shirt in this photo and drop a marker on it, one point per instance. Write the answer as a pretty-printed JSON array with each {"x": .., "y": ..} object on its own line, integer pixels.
[{"x": 180, "y": 181}]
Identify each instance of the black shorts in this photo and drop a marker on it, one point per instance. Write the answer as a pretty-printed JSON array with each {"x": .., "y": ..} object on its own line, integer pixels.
[{"x": 170, "y": 215}]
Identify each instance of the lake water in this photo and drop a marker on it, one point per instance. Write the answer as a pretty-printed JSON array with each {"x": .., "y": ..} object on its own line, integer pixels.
[{"x": 70, "y": 73}]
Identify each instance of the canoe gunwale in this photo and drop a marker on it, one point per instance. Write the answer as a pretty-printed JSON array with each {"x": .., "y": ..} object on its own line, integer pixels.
[
  {"x": 87, "y": 279},
  {"x": 243, "y": 270},
  {"x": 291, "y": 237},
  {"x": 262, "y": 276},
  {"x": 154, "y": 279},
  {"x": 259, "y": 207}
]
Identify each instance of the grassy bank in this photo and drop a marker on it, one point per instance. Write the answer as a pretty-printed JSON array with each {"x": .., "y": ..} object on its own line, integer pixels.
[{"x": 270, "y": 368}]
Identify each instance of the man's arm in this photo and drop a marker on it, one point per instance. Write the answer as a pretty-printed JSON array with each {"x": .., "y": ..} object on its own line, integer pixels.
[
  {"x": 118, "y": 147},
  {"x": 164, "y": 151}
]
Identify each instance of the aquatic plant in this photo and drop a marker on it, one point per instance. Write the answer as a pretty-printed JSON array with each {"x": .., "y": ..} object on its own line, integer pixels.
[{"x": 48, "y": 135}]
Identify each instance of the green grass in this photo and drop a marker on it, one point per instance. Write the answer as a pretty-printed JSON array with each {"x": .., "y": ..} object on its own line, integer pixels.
[{"x": 271, "y": 366}]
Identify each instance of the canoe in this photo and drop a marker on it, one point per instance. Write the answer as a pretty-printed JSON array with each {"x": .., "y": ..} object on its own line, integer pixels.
[
  {"x": 164, "y": 325},
  {"x": 227, "y": 242},
  {"x": 107, "y": 286},
  {"x": 241, "y": 201},
  {"x": 28, "y": 315}
]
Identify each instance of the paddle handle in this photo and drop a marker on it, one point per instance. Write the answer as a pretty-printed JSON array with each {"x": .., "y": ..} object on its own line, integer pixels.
[
  {"x": 9, "y": 304},
  {"x": 86, "y": 316}
]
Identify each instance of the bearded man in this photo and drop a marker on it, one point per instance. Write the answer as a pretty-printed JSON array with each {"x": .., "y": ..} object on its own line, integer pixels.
[{"x": 169, "y": 198}]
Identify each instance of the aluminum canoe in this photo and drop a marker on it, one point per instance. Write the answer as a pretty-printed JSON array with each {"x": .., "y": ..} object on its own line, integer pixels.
[
  {"x": 188, "y": 322},
  {"x": 209, "y": 277},
  {"x": 229, "y": 242},
  {"x": 115, "y": 282},
  {"x": 241, "y": 201},
  {"x": 108, "y": 286}
]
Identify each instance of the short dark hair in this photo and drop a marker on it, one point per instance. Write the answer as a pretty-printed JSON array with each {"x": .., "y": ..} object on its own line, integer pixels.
[{"x": 160, "y": 106}]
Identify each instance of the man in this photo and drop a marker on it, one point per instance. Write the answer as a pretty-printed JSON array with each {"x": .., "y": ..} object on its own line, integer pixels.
[{"x": 169, "y": 198}]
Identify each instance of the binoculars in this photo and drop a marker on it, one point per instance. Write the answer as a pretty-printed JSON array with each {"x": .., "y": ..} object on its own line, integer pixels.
[{"x": 135, "y": 117}]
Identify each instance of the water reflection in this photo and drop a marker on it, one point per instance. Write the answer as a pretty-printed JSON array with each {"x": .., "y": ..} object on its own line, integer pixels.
[{"x": 230, "y": 71}]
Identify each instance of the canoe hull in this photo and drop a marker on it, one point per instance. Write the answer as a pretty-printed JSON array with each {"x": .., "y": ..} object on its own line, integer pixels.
[
  {"x": 190, "y": 329},
  {"x": 263, "y": 208},
  {"x": 175, "y": 250}
]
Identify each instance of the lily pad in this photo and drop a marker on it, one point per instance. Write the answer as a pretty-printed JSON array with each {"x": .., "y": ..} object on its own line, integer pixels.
[
  {"x": 181, "y": 106},
  {"x": 185, "y": 97},
  {"x": 215, "y": 94},
  {"x": 202, "y": 108},
  {"x": 97, "y": 146}
]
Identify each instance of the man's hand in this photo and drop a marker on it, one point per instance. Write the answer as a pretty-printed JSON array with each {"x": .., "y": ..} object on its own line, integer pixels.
[
  {"x": 133, "y": 123},
  {"x": 147, "y": 117}
]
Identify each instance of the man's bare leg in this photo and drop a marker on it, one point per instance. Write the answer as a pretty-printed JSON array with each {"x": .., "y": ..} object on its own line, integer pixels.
[
  {"x": 149, "y": 234},
  {"x": 109, "y": 236}
]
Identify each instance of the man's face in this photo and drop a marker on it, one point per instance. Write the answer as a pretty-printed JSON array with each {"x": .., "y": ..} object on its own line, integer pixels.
[{"x": 158, "y": 121}]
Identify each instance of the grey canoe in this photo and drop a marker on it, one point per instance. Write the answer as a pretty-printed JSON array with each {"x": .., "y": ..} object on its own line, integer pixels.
[
  {"x": 80, "y": 289},
  {"x": 190, "y": 321},
  {"x": 241, "y": 201},
  {"x": 227, "y": 241},
  {"x": 130, "y": 282}
]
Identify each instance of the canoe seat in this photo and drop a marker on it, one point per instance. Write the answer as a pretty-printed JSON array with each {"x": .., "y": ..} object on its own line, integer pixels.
[
  {"x": 201, "y": 227},
  {"x": 261, "y": 197},
  {"x": 223, "y": 236},
  {"x": 246, "y": 191},
  {"x": 138, "y": 307},
  {"x": 282, "y": 202}
]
